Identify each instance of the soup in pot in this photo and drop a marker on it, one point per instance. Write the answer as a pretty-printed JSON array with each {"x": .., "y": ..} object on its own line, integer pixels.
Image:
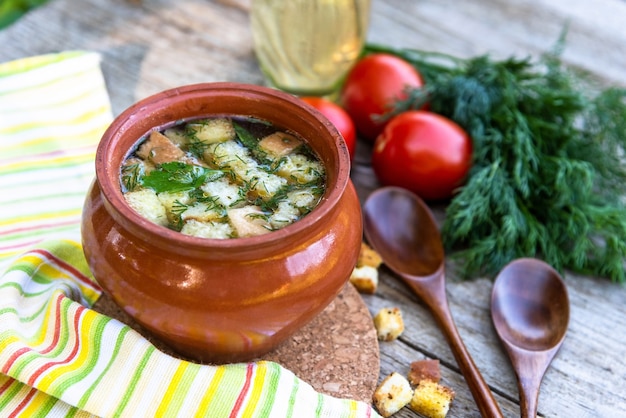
[{"x": 223, "y": 177}]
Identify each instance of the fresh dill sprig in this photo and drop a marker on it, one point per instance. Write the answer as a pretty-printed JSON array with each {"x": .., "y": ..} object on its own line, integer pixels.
[
  {"x": 548, "y": 177},
  {"x": 196, "y": 146},
  {"x": 178, "y": 208},
  {"x": 131, "y": 176}
]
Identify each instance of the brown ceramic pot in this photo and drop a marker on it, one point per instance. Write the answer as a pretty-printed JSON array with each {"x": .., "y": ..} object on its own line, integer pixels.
[{"x": 221, "y": 300}]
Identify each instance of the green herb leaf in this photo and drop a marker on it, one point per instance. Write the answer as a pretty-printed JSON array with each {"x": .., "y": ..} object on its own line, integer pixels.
[
  {"x": 178, "y": 176},
  {"x": 247, "y": 139}
]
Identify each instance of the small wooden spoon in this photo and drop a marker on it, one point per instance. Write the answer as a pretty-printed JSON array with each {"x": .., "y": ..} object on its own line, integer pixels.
[
  {"x": 530, "y": 311},
  {"x": 401, "y": 228}
]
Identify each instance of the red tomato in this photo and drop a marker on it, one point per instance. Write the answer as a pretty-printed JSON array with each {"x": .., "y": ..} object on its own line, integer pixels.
[
  {"x": 424, "y": 152},
  {"x": 338, "y": 117},
  {"x": 371, "y": 88}
]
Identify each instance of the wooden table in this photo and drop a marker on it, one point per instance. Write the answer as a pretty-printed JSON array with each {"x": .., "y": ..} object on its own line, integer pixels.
[{"x": 157, "y": 44}]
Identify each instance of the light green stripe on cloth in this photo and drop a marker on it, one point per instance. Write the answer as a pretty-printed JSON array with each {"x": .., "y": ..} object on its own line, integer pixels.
[
  {"x": 58, "y": 357},
  {"x": 53, "y": 111}
]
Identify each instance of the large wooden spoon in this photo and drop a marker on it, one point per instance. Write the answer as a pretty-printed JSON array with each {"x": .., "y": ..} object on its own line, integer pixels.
[
  {"x": 400, "y": 226},
  {"x": 530, "y": 311}
]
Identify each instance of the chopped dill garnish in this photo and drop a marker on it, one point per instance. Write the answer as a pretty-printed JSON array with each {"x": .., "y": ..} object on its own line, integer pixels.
[
  {"x": 196, "y": 146},
  {"x": 131, "y": 176},
  {"x": 178, "y": 207}
]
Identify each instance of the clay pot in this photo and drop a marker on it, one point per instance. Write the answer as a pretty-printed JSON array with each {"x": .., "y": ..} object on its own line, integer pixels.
[{"x": 221, "y": 300}]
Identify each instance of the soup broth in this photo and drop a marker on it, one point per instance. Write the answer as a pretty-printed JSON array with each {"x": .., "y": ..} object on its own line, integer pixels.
[{"x": 223, "y": 177}]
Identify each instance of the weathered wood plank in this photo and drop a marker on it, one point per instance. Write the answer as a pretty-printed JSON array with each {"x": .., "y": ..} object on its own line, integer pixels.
[{"x": 158, "y": 44}]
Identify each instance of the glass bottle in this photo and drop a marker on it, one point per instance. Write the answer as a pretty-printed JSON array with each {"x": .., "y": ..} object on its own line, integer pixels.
[{"x": 306, "y": 47}]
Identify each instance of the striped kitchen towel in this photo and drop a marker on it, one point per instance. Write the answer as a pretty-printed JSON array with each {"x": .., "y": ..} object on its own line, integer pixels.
[
  {"x": 53, "y": 110},
  {"x": 58, "y": 357}
]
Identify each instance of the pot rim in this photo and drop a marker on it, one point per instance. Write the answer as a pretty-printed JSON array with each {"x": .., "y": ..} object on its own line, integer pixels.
[{"x": 108, "y": 171}]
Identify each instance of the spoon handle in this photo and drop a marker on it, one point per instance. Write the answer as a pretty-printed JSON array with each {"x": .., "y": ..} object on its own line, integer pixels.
[
  {"x": 529, "y": 396},
  {"x": 530, "y": 372},
  {"x": 433, "y": 293}
]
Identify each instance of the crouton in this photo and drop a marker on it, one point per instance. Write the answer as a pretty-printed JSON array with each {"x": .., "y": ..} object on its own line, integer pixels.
[
  {"x": 211, "y": 131},
  {"x": 229, "y": 155},
  {"x": 261, "y": 183},
  {"x": 285, "y": 214},
  {"x": 393, "y": 394},
  {"x": 147, "y": 204},
  {"x": 224, "y": 192},
  {"x": 201, "y": 212},
  {"x": 305, "y": 198},
  {"x": 368, "y": 257},
  {"x": 248, "y": 221},
  {"x": 365, "y": 279},
  {"x": 174, "y": 202},
  {"x": 217, "y": 230},
  {"x": 177, "y": 136},
  {"x": 299, "y": 168},
  {"x": 279, "y": 144},
  {"x": 159, "y": 149},
  {"x": 431, "y": 399},
  {"x": 427, "y": 369},
  {"x": 389, "y": 324}
]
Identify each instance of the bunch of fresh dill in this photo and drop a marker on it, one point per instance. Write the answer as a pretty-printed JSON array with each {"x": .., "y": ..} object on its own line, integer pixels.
[
  {"x": 549, "y": 171},
  {"x": 12, "y": 10}
]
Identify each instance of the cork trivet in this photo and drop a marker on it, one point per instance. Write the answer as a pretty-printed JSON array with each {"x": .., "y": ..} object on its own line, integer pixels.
[{"x": 336, "y": 353}]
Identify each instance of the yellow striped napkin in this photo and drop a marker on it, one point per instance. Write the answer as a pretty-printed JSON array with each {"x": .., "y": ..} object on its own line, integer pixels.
[
  {"x": 53, "y": 110},
  {"x": 59, "y": 358}
]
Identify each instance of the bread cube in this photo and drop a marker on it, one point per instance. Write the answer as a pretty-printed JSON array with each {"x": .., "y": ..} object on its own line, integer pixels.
[
  {"x": 368, "y": 257},
  {"x": 249, "y": 221},
  {"x": 159, "y": 149},
  {"x": 365, "y": 279},
  {"x": 389, "y": 324},
  {"x": 431, "y": 399},
  {"x": 216, "y": 230},
  {"x": 300, "y": 169},
  {"x": 174, "y": 202},
  {"x": 224, "y": 192},
  {"x": 147, "y": 204},
  {"x": 427, "y": 369},
  {"x": 393, "y": 394},
  {"x": 285, "y": 214},
  {"x": 261, "y": 183},
  {"x": 177, "y": 136},
  {"x": 201, "y": 212},
  {"x": 365, "y": 275},
  {"x": 229, "y": 155},
  {"x": 279, "y": 144},
  {"x": 303, "y": 198},
  {"x": 211, "y": 131}
]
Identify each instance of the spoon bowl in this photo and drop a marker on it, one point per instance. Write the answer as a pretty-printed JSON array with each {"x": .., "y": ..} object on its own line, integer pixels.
[
  {"x": 404, "y": 232},
  {"x": 530, "y": 312},
  {"x": 402, "y": 229}
]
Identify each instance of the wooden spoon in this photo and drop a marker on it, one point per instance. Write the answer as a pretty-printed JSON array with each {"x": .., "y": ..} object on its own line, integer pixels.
[
  {"x": 530, "y": 311},
  {"x": 400, "y": 226}
]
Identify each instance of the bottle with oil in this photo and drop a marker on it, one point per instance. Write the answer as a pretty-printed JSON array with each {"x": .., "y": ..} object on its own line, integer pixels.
[{"x": 306, "y": 47}]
